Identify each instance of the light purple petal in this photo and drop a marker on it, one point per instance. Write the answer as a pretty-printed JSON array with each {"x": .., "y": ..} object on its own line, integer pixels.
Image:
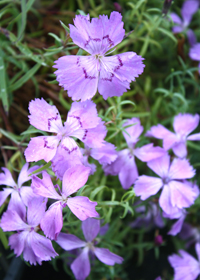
[
  {"x": 181, "y": 169},
  {"x": 4, "y": 194},
  {"x": 165, "y": 201},
  {"x": 6, "y": 178},
  {"x": 81, "y": 265},
  {"x": 11, "y": 221},
  {"x": 176, "y": 19},
  {"x": 128, "y": 170},
  {"x": 64, "y": 160},
  {"x": 44, "y": 116},
  {"x": 44, "y": 186},
  {"x": 194, "y": 53},
  {"x": 181, "y": 194},
  {"x": 41, "y": 147},
  {"x": 176, "y": 228},
  {"x": 105, "y": 154},
  {"x": 36, "y": 210},
  {"x": 90, "y": 228},
  {"x": 16, "y": 204},
  {"x": 94, "y": 137},
  {"x": 74, "y": 178},
  {"x": 78, "y": 75},
  {"x": 184, "y": 124},
  {"x": 100, "y": 34},
  {"x": 149, "y": 152},
  {"x": 82, "y": 207},
  {"x": 188, "y": 9},
  {"x": 107, "y": 257},
  {"x": 52, "y": 222},
  {"x": 160, "y": 132},
  {"x": 27, "y": 194},
  {"x": 145, "y": 186},
  {"x": 17, "y": 242},
  {"x": 180, "y": 149},
  {"x": 133, "y": 132},
  {"x": 24, "y": 175},
  {"x": 85, "y": 113},
  {"x": 42, "y": 247},
  {"x": 160, "y": 165},
  {"x": 194, "y": 137},
  {"x": 197, "y": 248},
  {"x": 178, "y": 28},
  {"x": 191, "y": 37},
  {"x": 185, "y": 266},
  {"x": 28, "y": 253},
  {"x": 69, "y": 241}
]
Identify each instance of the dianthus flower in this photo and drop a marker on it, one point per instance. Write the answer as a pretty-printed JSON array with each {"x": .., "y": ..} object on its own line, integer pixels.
[
  {"x": 81, "y": 265},
  {"x": 194, "y": 54},
  {"x": 20, "y": 195},
  {"x": 185, "y": 266},
  {"x": 183, "y": 125},
  {"x": 124, "y": 166},
  {"x": 188, "y": 9},
  {"x": 82, "y": 122},
  {"x": 35, "y": 247},
  {"x": 73, "y": 179},
  {"x": 111, "y": 75},
  {"x": 176, "y": 193}
]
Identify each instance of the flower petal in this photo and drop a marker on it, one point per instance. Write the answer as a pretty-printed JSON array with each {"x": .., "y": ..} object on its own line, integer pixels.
[
  {"x": 17, "y": 242},
  {"x": 188, "y": 9},
  {"x": 41, "y": 147},
  {"x": 181, "y": 169},
  {"x": 176, "y": 228},
  {"x": 176, "y": 18},
  {"x": 52, "y": 222},
  {"x": 160, "y": 165},
  {"x": 4, "y": 194},
  {"x": 69, "y": 241},
  {"x": 64, "y": 160},
  {"x": 36, "y": 210},
  {"x": 90, "y": 228},
  {"x": 44, "y": 187},
  {"x": 44, "y": 116},
  {"x": 180, "y": 149},
  {"x": 194, "y": 137},
  {"x": 42, "y": 247},
  {"x": 78, "y": 75},
  {"x": 74, "y": 178},
  {"x": 128, "y": 171},
  {"x": 107, "y": 257},
  {"x": 133, "y": 132},
  {"x": 81, "y": 265},
  {"x": 194, "y": 53},
  {"x": 145, "y": 186},
  {"x": 94, "y": 137},
  {"x": 16, "y": 204},
  {"x": 105, "y": 154},
  {"x": 28, "y": 253},
  {"x": 11, "y": 221},
  {"x": 6, "y": 178},
  {"x": 24, "y": 174},
  {"x": 149, "y": 152},
  {"x": 184, "y": 124},
  {"x": 191, "y": 37},
  {"x": 82, "y": 207}
]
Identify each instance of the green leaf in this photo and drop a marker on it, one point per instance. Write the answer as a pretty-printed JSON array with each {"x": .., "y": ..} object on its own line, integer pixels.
[
  {"x": 3, "y": 87},
  {"x": 3, "y": 239},
  {"x": 65, "y": 27},
  {"x": 44, "y": 167},
  {"x": 25, "y": 78},
  {"x": 168, "y": 33}
]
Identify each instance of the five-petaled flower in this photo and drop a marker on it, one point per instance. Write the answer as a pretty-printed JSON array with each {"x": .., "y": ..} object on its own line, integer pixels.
[{"x": 111, "y": 75}]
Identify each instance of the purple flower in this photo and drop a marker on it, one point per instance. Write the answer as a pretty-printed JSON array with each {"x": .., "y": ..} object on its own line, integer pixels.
[
  {"x": 20, "y": 195},
  {"x": 35, "y": 247},
  {"x": 124, "y": 166},
  {"x": 175, "y": 193},
  {"x": 104, "y": 155},
  {"x": 194, "y": 54},
  {"x": 188, "y": 9},
  {"x": 81, "y": 265},
  {"x": 183, "y": 125},
  {"x": 190, "y": 233},
  {"x": 83, "y": 75},
  {"x": 82, "y": 122},
  {"x": 73, "y": 179},
  {"x": 185, "y": 266}
]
